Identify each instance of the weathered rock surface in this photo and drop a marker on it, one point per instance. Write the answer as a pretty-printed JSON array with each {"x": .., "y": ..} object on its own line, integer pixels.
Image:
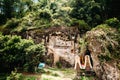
[
  {"x": 110, "y": 72},
  {"x": 101, "y": 42},
  {"x": 105, "y": 71},
  {"x": 98, "y": 42}
]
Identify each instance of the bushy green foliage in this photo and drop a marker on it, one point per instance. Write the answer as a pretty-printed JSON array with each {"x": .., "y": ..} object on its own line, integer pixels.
[
  {"x": 113, "y": 22},
  {"x": 29, "y": 78},
  {"x": 15, "y": 76},
  {"x": 81, "y": 24},
  {"x": 12, "y": 23},
  {"x": 37, "y": 49},
  {"x": 17, "y": 51},
  {"x": 2, "y": 19},
  {"x": 34, "y": 54},
  {"x": 87, "y": 10},
  {"x": 12, "y": 45},
  {"x": 45, "y": 14},
  {"x": 15, "y": 8},
  {"x": 29, "y": 67},
  {"x": 58, "y": 64},
  {"x": 40, "y": 70},
  {"x": 104, "y": 27},
  {"x": 49, "y": 62},
  {"x": 55, "y": 74},
  {"x": 93, "y": 12},
  {"x": 12, "y": 50}
]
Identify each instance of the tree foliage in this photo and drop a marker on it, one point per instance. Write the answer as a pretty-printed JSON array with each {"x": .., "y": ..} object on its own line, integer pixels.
[
  {"x": 15, "y": 52},
  {"x": 14, "y": 9},
  {"x": 91, "y": 11},
  {"x": 87, "y": 10},
  {"x": 113, "y": 22}
]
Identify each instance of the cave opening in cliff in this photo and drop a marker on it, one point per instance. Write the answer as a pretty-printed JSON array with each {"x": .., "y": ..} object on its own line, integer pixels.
[{"x": 89, "y": 54}]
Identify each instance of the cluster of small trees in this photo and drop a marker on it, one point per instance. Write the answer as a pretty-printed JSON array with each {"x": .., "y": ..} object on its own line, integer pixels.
[
  {"x": 47, "y": 13},
  {"x": 13, "y": 9},
  {"x": 16, "y": 52}
]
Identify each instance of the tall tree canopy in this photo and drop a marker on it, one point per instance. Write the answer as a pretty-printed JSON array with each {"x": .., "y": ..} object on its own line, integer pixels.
[
  {"x": 87, "y": 10},
  {"x": 91, "y": 11},
  {"x": 14, "y": 9}
]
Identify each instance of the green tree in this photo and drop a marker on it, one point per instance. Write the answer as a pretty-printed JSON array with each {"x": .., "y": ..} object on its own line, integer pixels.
[
  {"x": 110, "y": 8},
  {"x": 2, "y": 16},
  {"x": 14, "y": 51},
  {"x": 113, "y": 22},
  {"x": 34, "y": 55},
  {"x": 8, "y": 8},
  {"x": 15, "y": 8},
  {"x": 105, "y": 8},
  {"x": 21, "y": 7},
  {"x": 87, "y": 10},
  {"x": 114, "y": 9}
]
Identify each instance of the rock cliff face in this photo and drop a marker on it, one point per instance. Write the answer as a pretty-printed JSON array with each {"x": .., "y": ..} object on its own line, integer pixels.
[
  {"x": 104, "y": 64},
  {"x": 63, "y": 43},
  {"x": 60, "y": 42}
]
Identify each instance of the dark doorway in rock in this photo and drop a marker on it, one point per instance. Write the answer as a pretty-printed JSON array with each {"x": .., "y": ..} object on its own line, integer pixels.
[{"x": 89, "y": 53}]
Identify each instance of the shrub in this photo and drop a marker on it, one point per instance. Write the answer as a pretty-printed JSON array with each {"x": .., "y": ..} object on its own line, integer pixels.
[
  {"x": 41, "y": 71},
  {"x": 17, "y": 51},
  {"x": 55, "y": 74},
  {"x": 29, "y": 67},
  {"x": 104, "y": 27},
  {"x": 82, "y": 25},
  {"x": 15, "y": 76},
  {"x": 113, "y": 22},
  {"x": 34, "y": 54},
  {"x": 57, "y": 22},
  {"x": 45, "y": 14},
  {"x": 30, "y": 78},
  {"x": 58, "y": 64},
  {"x": 2, "y": 19},
  {"x": 48, "y": 62},
  {"x": 12, "y": 23}
]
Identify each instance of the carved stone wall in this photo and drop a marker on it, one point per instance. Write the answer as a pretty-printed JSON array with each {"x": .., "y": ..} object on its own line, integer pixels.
[
  {"x": 62, "y": 46},
  {"x": 59, "y": 41}
]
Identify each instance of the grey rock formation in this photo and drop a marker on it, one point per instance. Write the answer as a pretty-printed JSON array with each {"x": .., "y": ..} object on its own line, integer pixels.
[{"x": 98, "y": 42}]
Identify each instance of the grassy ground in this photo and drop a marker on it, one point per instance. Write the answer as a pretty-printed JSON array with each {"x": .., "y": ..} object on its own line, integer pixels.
[
  {"x": 31, "y": 77},
  {"x": 51, "y": 74},
  {"x": 58, "y": 74}
]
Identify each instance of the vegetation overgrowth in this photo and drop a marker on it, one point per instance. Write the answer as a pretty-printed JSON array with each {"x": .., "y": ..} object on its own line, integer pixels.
[
  {"x": 16, "y": 52},
  {"x": 19, "y": 16}
]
